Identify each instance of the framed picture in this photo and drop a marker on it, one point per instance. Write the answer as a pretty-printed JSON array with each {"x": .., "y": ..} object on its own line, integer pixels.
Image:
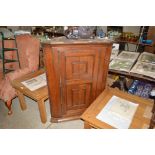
[
  {"x": 143, "y": 68},
  {"x": 128, "y": 55},
  {"x": 147, "y": 57},
  {"x": 120, "y": 64}
]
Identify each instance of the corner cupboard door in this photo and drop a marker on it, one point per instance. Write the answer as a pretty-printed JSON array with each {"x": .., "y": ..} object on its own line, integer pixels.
[{"x": 79, "y": 69}]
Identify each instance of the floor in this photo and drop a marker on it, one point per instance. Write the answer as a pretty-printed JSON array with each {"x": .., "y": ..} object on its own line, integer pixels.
[{"x": 30, "y": 119}]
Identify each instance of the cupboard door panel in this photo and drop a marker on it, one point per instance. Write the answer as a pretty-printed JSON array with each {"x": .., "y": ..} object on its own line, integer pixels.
[
  {"x": 79, "y": 67},
  {"x": 78, "y": 79},
  {"x": 79, "y": 64},
  {"x": 77, "y": 97}
]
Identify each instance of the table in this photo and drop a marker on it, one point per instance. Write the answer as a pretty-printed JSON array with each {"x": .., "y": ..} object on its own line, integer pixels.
[
  {"x": 39, "y": 95},
  {"x": 122, "y": 80},
  {"x": 140, "y": 118}
]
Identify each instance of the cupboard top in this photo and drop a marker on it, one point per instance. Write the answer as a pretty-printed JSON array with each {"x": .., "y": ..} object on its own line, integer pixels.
[{"x": 64, "y": 40}]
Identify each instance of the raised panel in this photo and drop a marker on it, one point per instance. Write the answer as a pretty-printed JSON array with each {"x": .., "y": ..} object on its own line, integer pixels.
[
  {"x": 78, "y": 78},
  {"x": 79, "y": 65},
  {"x": 78, "y": 96}
]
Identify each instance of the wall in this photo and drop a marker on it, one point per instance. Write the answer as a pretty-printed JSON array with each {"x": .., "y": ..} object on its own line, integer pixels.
[
  {"x": 133, "y": 29},
  {"x": 104, "y": 28},
  {"x": 15, "y": 28}
]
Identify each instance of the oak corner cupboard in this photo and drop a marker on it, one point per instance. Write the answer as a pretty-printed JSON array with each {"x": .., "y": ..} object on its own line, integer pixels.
[{"x": 76, "y": 74}]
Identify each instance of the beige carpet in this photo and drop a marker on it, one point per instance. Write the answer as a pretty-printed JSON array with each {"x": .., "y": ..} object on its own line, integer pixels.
[{"x": 30, "y": 119}]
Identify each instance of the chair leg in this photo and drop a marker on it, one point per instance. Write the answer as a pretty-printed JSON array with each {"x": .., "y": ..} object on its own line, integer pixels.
[{"x": 8, "y": 105}]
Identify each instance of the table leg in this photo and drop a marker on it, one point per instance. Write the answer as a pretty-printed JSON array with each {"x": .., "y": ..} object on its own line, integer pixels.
[
  {"x": 42, "y": 110},
  {"x": 153, "y": 109},
  {"x": 21, "y": 100},
  {"x": 8, "y": 105},
  {"x": 152, "y": 122},
  {"x": 86, "y": 125}
]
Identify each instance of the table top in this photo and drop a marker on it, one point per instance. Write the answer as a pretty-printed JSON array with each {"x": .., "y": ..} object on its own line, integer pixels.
[
  {"x": 36, "y": 94},
  {"x": 140, "y": 118}
]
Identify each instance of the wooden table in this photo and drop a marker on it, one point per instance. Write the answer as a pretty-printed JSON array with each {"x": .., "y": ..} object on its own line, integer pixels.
[
  {"x": 139, "y": 120},
  {"x": 39, "y": 95},
  {"x": 122, "y": 80}
]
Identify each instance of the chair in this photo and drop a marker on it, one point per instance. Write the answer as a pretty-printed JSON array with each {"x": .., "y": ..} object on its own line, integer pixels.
[{"x": 28, "y": 48}]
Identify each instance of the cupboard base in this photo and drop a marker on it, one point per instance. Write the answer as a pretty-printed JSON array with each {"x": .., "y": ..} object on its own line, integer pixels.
[{"x": 63, "y": 119}]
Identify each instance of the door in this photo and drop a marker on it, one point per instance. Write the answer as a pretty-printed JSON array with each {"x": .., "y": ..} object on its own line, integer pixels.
[{"x": 79, "y": 70}]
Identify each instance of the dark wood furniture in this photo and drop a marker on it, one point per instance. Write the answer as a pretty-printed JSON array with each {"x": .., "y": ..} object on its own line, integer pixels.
[
  {"x": 140, "y": 119},
  {"x": 39, "y": 95},
  {"x": 76, "y": 74}
]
